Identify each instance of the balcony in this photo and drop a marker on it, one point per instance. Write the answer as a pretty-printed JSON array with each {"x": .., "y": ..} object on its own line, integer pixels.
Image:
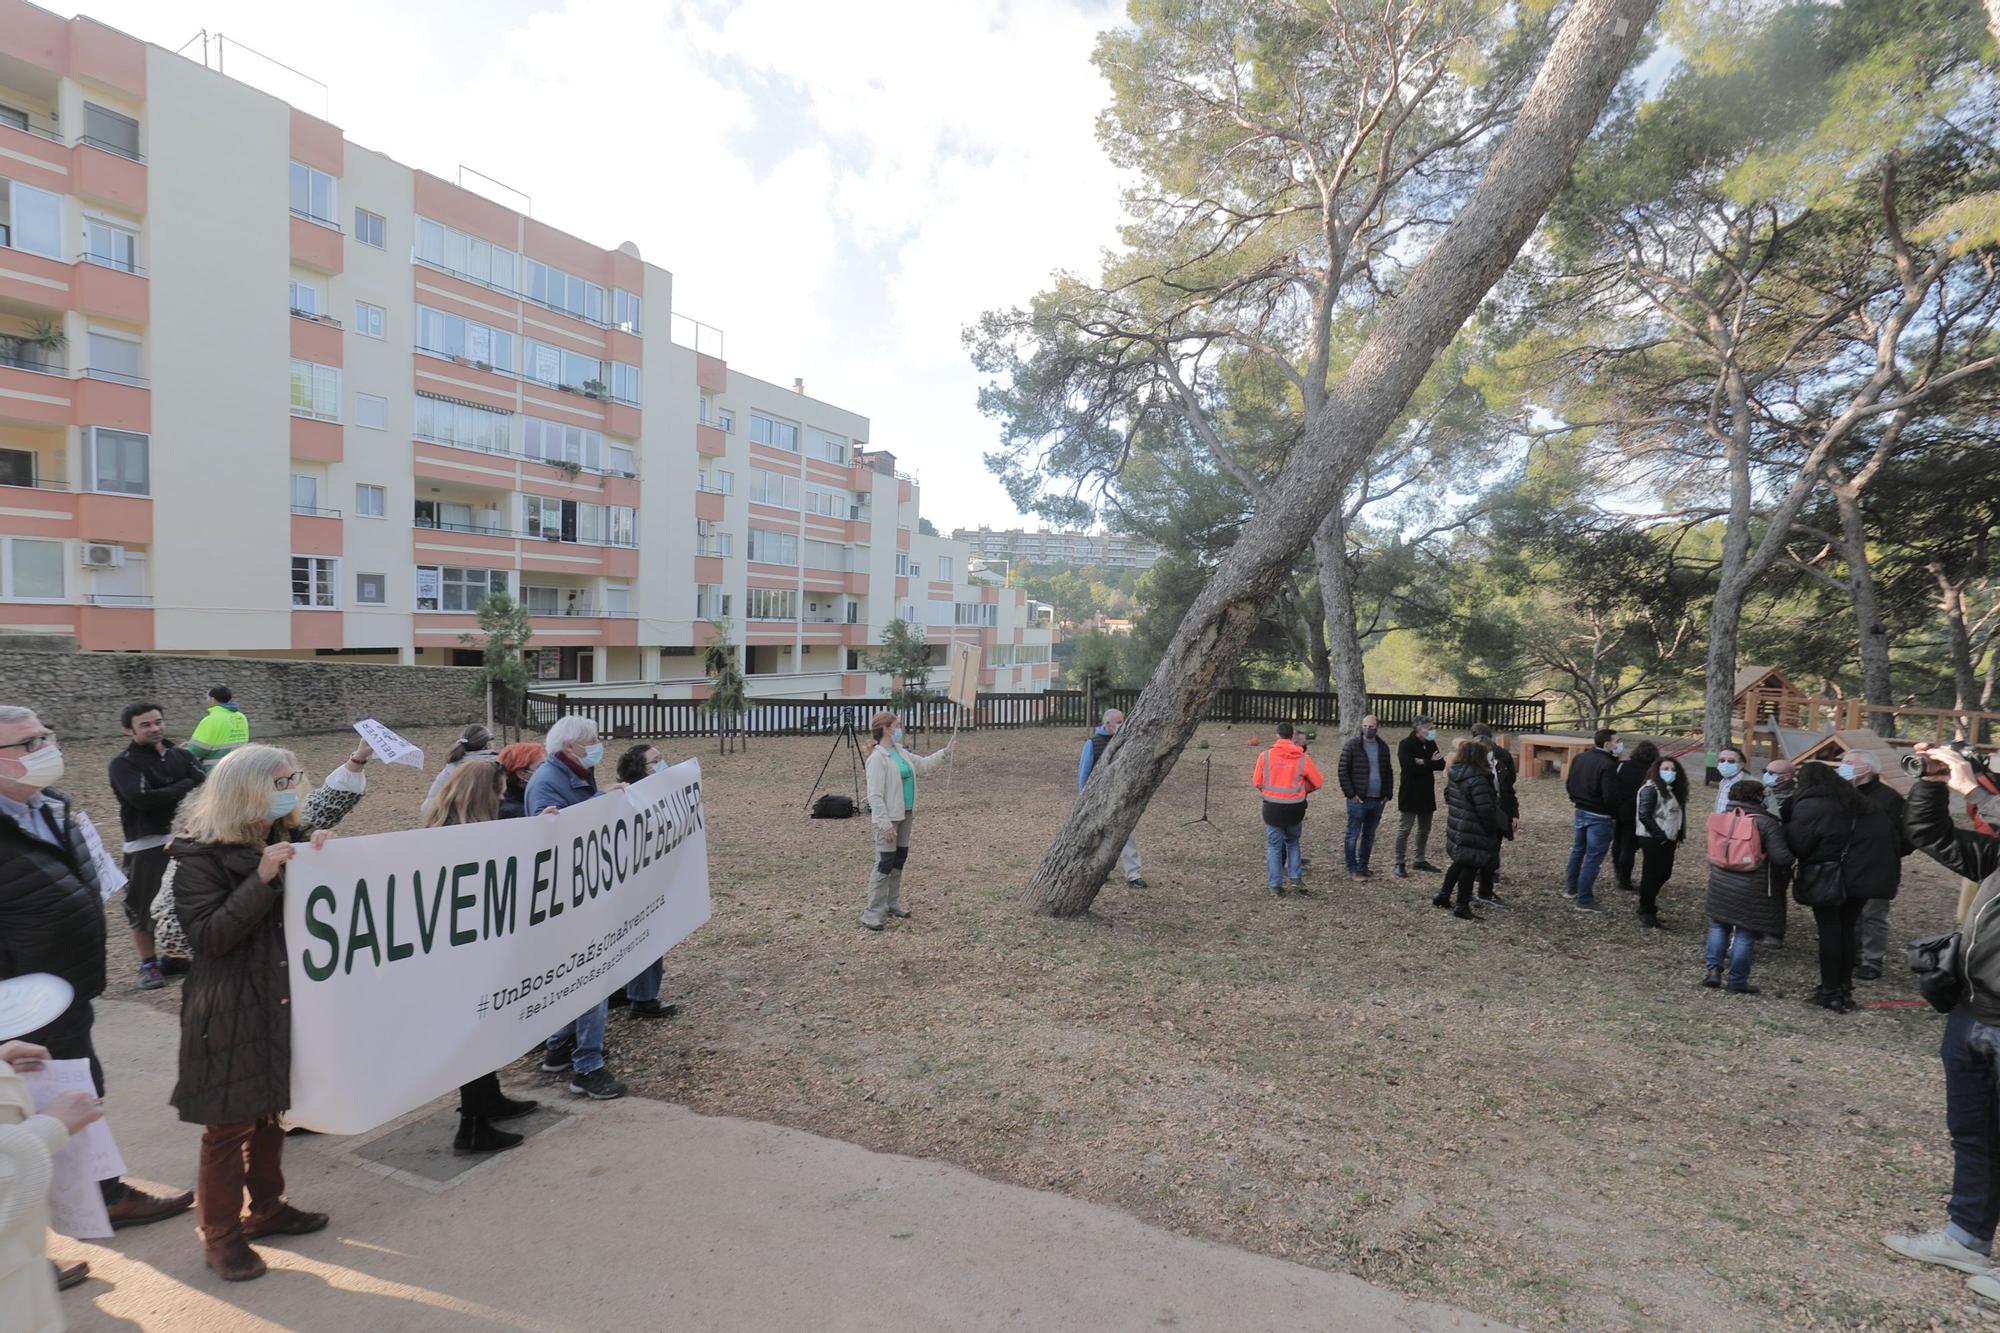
[
  {"x": 317, "y": 244},
  {"x": 316, "y": 531},
  {"x": 710, "y": 442},
  {"x": 34, "y": 394},
  {"x": 109, "y": 174}
]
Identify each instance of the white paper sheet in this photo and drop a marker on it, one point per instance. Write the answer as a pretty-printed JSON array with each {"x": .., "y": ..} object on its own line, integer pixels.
[
  {"x": 388, "y": 746},
  {"x": 76, "y": 1205},
  {"x": 110, "y": 875}
]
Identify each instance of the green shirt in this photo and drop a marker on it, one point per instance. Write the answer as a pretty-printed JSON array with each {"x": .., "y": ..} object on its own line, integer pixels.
[{"x": 909, "y": 780}]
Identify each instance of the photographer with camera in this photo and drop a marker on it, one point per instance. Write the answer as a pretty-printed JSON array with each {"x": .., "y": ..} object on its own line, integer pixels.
[{"x": 1970, "y": 982}]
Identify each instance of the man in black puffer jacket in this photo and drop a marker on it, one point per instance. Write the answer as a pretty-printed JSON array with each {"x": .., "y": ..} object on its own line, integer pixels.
[
  {"x": 1593, "y": 790},
  {"x": 52, "y": 915}
]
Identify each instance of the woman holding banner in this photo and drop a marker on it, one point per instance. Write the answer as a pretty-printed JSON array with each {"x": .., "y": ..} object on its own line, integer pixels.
[
  {"x": 892, "y": 807},
  {"x": 471, "y": 795},
  {"x": 237, "y": 832}
]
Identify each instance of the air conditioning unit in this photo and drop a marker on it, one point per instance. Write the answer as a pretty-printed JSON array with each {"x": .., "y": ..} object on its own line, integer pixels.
[{"x": 103, "y": 555}]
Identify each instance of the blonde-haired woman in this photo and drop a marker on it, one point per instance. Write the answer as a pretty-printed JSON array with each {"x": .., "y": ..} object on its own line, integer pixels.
[
  {"x": 892, "y": 806},
  {"x": 236, "y": 834}
]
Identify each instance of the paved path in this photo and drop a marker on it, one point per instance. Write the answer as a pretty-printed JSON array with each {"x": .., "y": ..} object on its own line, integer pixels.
[{"x": 641, "y": 1215}]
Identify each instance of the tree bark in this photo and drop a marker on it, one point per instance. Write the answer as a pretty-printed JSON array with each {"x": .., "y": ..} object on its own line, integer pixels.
[
  {"x": 1343, "y": 635},
  {"x": 1876, "y": 686},
  {"x": 1570, "y": 90},
  {"x": 1958, "y": 640},
  {"x": 1321, "y": 662}
]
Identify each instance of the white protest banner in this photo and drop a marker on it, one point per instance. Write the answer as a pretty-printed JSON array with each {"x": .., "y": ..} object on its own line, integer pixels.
[
  {"x": 76, "y": 1205},
  {"x": 421, "y": 960},
  {"x": 388, "y": 746}
]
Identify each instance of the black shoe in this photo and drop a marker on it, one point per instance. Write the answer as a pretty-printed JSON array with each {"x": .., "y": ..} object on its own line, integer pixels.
[
  {"x": 875, "y": 926},
  {"x": 1364, "y": 873},
  {"x": 1466, "y": 914},
  {"x": 1440, "y": 900},
  {"x": 1299, "y": 887},
  {"x": 1745, "y": 989},
  {"x": 1649, "y": 921},
  {"x": 899, "y": 914},
  {"x": 1587, "y": 905},
  {"x": 618, "y": 999},
  {"x": 1138, "y": 883},
  {"x": 655, "y": 1009},
  {"x": 1867, "y": 972},
  {"x": 476, "y": 1136},
  {"x": 1628, "y": 886},
  {"x": 1278, "y": 889},
  {"x": 1491, "y": 900},
  {"x": 512, "y": 1107},
  {"x": 557, "y": 1061},
  {"x": 1712, "y": 978},
  {"x": 1426, "y": 867},
  {"x": 598, "y": 1085},
  {"x": 1402, "y": 871}
]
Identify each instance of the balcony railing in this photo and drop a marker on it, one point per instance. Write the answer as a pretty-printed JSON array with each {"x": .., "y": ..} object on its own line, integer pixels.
[
  {"x": 106, "y": 261},
  {"x": 317, "y": 220},
  {"x": 580, "y": 610},
  {"x": 309, "y": 511},
  {"x": 315, "y": 317},
  {"x": 471, "y": 362},
  {"x": 31, "y": 128},
  {"x": 18, "y": 360},
  {"x": 713, "y": 551},
  {"x": 34, "y": 483},
  {"x": 118, "y": 150},
  {"x": 114, "y": 377},
  {"x": 118, "y": 599},
  {"x": 479, "y": 529},
  {"x": 311, "y": 415}
]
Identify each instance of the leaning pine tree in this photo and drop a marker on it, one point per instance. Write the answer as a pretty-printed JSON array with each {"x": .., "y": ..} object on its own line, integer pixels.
[{"x": 1596, "y": 42}]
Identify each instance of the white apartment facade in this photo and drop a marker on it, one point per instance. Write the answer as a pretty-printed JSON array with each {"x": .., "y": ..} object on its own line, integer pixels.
[
  {"x": 1076, "y": 550},
  {"x": 267, "y": 392}
]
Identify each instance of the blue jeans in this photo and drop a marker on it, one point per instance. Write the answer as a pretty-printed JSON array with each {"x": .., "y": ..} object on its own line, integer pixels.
[
  {"x": 1586, "y": 853},
  {"x": 646, "y": 986},
  {"x": 1741, "y": 949},
  {"x": 587, "y": 1031},
  {"x": 1362, "y": 817},
  {"x": 1281, "y": 852},
  {"x": 1971, "y": 1054}
]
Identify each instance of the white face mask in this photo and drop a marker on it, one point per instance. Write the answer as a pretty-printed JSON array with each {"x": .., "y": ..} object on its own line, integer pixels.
[{"x": 44, "y": 766}]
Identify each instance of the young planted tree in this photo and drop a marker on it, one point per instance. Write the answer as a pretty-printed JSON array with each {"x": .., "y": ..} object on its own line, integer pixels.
[
  {"x": 1585, "y": 61},
  {"x": 727, "y": 690},
  {"x": 905, "y": 658},
  {"x": 503, "y": 635}
]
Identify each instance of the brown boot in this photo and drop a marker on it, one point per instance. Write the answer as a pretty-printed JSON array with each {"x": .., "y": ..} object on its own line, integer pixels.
[
  {"x": 138, "y": 1208},
  {"x": 232, "y": 1259},
  {"x": 287, "y": 1221}
]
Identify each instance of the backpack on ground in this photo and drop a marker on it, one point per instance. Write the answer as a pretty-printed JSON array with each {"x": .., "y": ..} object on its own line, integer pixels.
[
  {"x": 1733, "y": 841},
  {"x": 832, "y": 806}
]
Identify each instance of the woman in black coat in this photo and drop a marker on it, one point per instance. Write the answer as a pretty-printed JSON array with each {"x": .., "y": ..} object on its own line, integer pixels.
[
  {"x": 1830, "y": 824},
  {"x": 1417, "y": 761},
  {"x": 1659, "y": 821},
  {"x": 1472, "y": 827}
]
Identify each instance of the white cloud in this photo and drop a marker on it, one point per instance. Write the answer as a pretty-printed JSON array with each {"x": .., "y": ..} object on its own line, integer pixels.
[{"x": 839, "y": 188}]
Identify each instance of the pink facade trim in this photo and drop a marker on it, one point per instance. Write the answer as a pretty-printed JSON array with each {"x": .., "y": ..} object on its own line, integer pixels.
[
  {"x": 36, "y": 161},
  {"x": 708, "y": 569},
  {"x": 108, "y": 177},
  {"x": 314, "y": 535},
  {"x": 711, "y": 372},
  {"x": 318, "y": 441},
  {"x": 441, "y": 201},
  {"x": 710, "y": 442},
  {"x": 118, "y": 406},
  {"x": 314, "y": 341},
  {"x": 460, "y": 379},
  {"x": 621, "y": 419},
  {"x": 318, "y": 144},
  {"x": 561, "y": 250},
  {"x": 98, "y": 54},
  {"x": 110, "y": 293},
  {"x": 317, "y": 247},
  {"x": 316, "y": 629},
  {"x": 32, "y": 280},
  {"x": 710, "y": 505},
  {"x": 114, "y": 629}
]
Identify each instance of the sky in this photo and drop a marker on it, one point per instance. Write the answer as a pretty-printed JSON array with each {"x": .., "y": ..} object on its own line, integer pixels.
[{"x": 839, "y": 188}]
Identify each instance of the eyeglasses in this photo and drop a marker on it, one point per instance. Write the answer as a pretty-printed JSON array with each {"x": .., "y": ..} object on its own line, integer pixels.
[
  {"x": 289, "y": 780},
  {"x": 32, "y": 744}
]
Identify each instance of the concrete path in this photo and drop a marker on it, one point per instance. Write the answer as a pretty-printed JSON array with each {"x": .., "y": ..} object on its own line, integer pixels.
[{"x": 641, "y": 1215}]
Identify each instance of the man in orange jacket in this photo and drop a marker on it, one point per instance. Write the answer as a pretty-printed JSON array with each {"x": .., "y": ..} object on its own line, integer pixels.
[{"x": 1285, "y": 775}]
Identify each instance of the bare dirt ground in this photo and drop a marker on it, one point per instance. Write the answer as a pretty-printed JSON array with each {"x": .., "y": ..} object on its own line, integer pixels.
[{"x": 1545, "y": 1118}]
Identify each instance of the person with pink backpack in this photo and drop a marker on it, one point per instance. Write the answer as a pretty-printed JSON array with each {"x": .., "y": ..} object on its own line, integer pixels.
[{"x": 1744, "y": 903}]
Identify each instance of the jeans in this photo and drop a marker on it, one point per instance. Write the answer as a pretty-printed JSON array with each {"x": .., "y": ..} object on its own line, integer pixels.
[
  {"x": 1281, "y": 852},
  {"x": 1875, "y": 931},
  {"x": 646, "y": 986},
  {"x": 1420, "y": 820},
  {"x": 1656, "y": 867},
  {"x": 1972, "y": 1115},
  {"x": 587, "y": 1031},
  {"x": 1741, "y": 950},
  {"x": 1362, "y": 818},
  {"x": 1839, "y": 941},
  {"x": 1586, "y": 854}
]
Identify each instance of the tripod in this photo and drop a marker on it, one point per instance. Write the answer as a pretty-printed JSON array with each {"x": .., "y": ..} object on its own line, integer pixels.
[
  {"x": 845, "y": 737},
  {"x": 1207, "y": 761}
]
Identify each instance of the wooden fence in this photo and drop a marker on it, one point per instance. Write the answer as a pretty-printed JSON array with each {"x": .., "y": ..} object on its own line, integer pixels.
[{"x": 619, "y": 719}]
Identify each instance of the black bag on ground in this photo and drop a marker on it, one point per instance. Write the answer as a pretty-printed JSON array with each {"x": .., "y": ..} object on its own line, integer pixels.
[
  {"x": 1939, "y": 963},
  {"x": 833, "y": 806}
]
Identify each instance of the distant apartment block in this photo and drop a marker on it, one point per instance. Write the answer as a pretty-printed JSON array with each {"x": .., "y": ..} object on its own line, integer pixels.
[
  {"x": 1075, "y": 550},
  {"x": 267, "y": 392}
]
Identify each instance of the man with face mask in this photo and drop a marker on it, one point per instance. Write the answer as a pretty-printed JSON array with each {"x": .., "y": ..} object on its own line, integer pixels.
[
  {"x": 1781, "y": 779},
  {"x": 52, "y": 915},
  {"x": 1367, "y": 781},
  {"x": 1729, "y": 764},
  {"x": 1417, "y": 755},
  {"x": 1874, "y": 867}
]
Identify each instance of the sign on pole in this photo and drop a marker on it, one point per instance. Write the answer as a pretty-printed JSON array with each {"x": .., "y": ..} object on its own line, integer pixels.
[{"x": 967, "y": 659}]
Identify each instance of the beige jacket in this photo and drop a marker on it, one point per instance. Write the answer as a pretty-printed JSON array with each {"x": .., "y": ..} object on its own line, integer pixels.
[
  {"x": 27, "y": 1142},
  {"x": 885, "y": 783}
]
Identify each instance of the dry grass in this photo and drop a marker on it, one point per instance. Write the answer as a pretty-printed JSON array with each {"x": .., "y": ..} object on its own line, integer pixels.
[{"x": 1545, "y": 1118}]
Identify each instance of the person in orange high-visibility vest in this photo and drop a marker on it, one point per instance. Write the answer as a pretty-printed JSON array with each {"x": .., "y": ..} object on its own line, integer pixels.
[{"x": 1285, "y": 775}]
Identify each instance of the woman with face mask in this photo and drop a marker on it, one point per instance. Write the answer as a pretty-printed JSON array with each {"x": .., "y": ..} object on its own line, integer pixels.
[
  {"x": 1659, "y": 824},
  {"x": 236, "y": 834},
  {"x": 892, "y": 808},
  {"x": 641, "y": 996}
]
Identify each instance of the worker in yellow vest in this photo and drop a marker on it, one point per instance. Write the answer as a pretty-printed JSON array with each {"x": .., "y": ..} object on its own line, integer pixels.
[
  {"x": 221, "y": 729},
  {"x": 1284, "y": 776}
]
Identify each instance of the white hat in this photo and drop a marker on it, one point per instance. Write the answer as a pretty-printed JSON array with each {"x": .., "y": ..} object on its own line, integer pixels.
[{"x": 31, "y": 1002}]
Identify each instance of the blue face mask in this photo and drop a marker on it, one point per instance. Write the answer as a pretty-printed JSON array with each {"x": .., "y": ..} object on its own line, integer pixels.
[
  {"x": 283, "y": 803},
  {"x": 1770, "y": 778},
  {"x": 593, "y": 753},
  {"x": 897, "y": 735},
  {"x": 1846, "y": 772},
  {"x": 659, "y": 765},
  {"x": 1667, "y": 774},
  {"x": 1728, "y": 768}
]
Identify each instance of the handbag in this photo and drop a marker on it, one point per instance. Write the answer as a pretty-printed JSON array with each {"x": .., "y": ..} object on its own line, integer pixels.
[
  {"x": 1939, "y": 962},
  {"x": 1818, "y": 884}
]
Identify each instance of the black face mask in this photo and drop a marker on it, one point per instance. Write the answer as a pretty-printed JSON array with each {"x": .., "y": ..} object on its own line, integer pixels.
[{"x": 1368, "y": 732}]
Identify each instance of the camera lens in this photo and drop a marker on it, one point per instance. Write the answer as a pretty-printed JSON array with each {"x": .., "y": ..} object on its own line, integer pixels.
[{"x": 1913, "y": 764}]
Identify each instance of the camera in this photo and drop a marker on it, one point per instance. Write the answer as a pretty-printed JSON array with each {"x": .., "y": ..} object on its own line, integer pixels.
[{"x": 1918, "y": 766}]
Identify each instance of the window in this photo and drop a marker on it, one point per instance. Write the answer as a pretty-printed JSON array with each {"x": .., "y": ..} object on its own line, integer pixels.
[
  {"x": 711, "y": 602},
  {"x": 371, "y": 228},
  {"x": 725, "y": 419},
  {"x": 371, "y": 411},
  {"x": 622, "y": 526},
  {"x": 571, "y": 521},
  {"x": 774, "y": 488},
  {"x": 562, "y": 291},
  {"x": 111, "y": 246},
  {"x": 833, "y": 448},
  {"x": 902, "y": 564},
  {"x": 315, "y": 391},
  {"x": 542, "y": 601},
  {"x": 450, "y": 589},
  {"x": 625, "y": 311},
  {"x": 370, "y": 502},
  {"x": 772, "y": 604},
  {"x": 14, "y": 116},
  {"x": 618, "y": 458},
  {"x": 774, "y": 548},
  {"x": 721, "y": 545},
  {"x": 315, "y": 582},
  {"x": 975, "y": 613},
  {"x": 119, "y": 462},
  {"x": 105, "y": 128},
  {"x": 777, "y": 434},
  {"x": 451, "y": 335},
  {"x": 371, "y": 589},
  {"x": 31, "y": 569},
  {"x": 617, "y": 599},
  {"x": 831, "y": 504},
  {"x": 114, "y": 357},
  {"x": 313, "y": 195},
  {"x": 546, "y": 363},
  {"x": 455, "y": 252},
  {"x": 17, "y": 467},
  {"x": 944, "y": 570},
  {"x": 464, "y": 425},
  {"x": 557, "y": 443},
  {"x": 625, "y": 382},
  {"x": 826, "y": 555},
  {"x": 454, "y": 517},
  {"x": 725, "y": 482},
  {"x": 305, "y": 299},
  {"x": 305, "y": 494},
  {"x": 370, "y": 320},
  {"x": 34, "y": 220}
]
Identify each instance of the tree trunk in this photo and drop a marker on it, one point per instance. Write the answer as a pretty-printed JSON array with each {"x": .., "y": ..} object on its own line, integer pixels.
[
  {"x": 1343, "y": 636},
  {"x": 1321, "y": 661},
  {"x": 1725, "y": 619},
  {"x": 1958, "y": 641},
  {"x": 1876, "y": 686},
  {"x": 1570, "y": 90}
]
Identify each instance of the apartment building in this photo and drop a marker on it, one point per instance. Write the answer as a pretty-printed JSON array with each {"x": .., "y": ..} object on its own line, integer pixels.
[
  {"x": 1073, "y": 550},
  {"x": 267, "y": 392}
]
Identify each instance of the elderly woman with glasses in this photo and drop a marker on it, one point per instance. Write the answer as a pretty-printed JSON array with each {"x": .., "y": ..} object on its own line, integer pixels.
[{"x": 235, "y": 835}]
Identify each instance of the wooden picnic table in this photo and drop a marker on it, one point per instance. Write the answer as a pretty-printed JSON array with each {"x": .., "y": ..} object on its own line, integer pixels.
[{"x": 1533, "y": 749}]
